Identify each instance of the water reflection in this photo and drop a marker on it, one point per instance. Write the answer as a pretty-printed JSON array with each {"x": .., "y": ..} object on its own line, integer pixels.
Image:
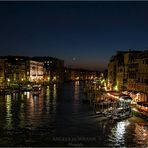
[
  {"x": 8, "y": 110},
  {"x": 28, "y": 95},
  {"x": 26, "y": 110},
  {"x": 32, "y": 120},
  {"x": 54, "y": 91},
  {"x": 35, "y": 103},
  {"x": 76, "y": 90},
  {"x": 76, "y": 98},
  {"x": 141, "y": 131},
  {"x": 47, "y": 92},
  {"x": 54, "y": 98},
  {"x": 119, "y": 132}
]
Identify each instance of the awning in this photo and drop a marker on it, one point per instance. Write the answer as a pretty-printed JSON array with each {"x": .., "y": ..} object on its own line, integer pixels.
[
  {"x": 123, "y": 95},
  {"x": 144, "y": 103}
]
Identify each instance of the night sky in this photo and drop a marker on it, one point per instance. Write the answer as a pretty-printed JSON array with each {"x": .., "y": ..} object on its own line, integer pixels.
[{"x": 83, "y": 34}]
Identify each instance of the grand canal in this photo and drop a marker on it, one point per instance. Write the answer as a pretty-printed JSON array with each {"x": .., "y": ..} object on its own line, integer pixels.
[{"x": 58, "y": 117}]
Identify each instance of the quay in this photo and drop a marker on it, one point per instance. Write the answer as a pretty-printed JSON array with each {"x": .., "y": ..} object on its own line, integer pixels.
[{"x": 103, "y": 102}]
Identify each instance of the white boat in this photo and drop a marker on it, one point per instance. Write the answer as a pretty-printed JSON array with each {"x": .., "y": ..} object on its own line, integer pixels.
[
  {"x": 116, "y": 117},
  {"x": 108, "y": 114},
  {"x": 98, "y": 112},
  {"x": 121, "y": 116},
  {"x": 26, "y": 88}
]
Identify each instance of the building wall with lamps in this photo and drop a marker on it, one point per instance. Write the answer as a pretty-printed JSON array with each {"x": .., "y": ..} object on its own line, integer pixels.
[
  {"x": 73, "y": 74},
  {"x": 17, "y": 69},
  {"x": 53, "y": 69},
  {"x": 2, "y": 72},
  {"x": 14, "y": 68},
  {"x": 131, "y": 72},
  {"x": 138, "y": 75},
  {"x": 35, "y": 71},
  {"x": 112, "y": 72}
]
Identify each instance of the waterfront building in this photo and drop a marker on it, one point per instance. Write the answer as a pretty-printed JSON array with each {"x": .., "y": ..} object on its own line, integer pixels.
[
  {"x": 138, "y": 75},
  {"x": 14, "y": 69},
  {"x": 128, "y": 70},
  {"x": 112, "y": 73},
  {"x": 123, "y": 70},
  {"x": 118, "y": 70},
  {"x": 19, "y": 69},
  {"x": 73, "y": 74},
  {"x": 2, "y": 72},
  {"x": 53, "y": 69},
  {"x": 34, "y": 71}
]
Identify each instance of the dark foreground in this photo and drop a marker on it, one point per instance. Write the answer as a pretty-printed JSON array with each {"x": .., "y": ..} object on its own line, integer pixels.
[{"x": 57, "y": 117}]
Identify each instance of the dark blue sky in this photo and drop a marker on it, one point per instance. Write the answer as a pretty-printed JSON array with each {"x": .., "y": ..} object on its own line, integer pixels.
[{"x": 89, "y": 31}]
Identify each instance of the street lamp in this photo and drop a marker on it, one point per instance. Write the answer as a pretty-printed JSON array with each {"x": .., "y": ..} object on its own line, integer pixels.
[
  {"x": 8, "y": 81},
  {"x": 116, "y": 88}
]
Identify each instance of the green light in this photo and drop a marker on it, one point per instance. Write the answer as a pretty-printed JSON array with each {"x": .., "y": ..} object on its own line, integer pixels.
[{"x": 116, "y": 88}]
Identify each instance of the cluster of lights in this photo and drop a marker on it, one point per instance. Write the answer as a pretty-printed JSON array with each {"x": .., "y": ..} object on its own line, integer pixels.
[
  {"x": 77, "y": 78},
  {"x": 135, "y": 98},
  {"x": 116, "y": 88},
  {"x": 143, "y": 108},
  {"x": 54, "y": 78},
  {"x": 113, "y": 96},
  {"x": 102, "y": 81}
]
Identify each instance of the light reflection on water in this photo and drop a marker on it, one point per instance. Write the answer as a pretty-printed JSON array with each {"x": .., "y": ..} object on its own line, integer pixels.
[
  {"x": 27, "y": 120},
  {"x": 8, "y": 110}
]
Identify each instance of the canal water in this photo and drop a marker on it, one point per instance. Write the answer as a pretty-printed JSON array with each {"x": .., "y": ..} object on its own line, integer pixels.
[{"x": 58, "y": 117}]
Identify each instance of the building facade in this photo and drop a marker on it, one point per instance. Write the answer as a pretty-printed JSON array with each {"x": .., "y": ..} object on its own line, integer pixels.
[
  {"x": 128, "y": 70},
  {"x": 14, "y": 69},
  {"x": 35, "y": 71},
  {"x": 19, "y": 69},
  {"x": 112, "y": 72},
  {"x": 2, "y": 72},
  {"x": 73, "y": 74},
  {"x": 53, "y": 69}
]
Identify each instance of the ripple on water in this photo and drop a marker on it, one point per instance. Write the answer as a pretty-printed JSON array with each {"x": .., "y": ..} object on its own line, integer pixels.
[{"x": 62, "y": 113}]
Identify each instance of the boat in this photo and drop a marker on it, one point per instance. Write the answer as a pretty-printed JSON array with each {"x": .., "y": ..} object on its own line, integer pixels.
[
  {"x": 98, "y": 112},
  {"x": 36, "y": 90},
  {"x": 108, "y": 114},
  {"x": 116, "y": 118},
  {"x": 5, "y": 91},
  {"x": 26, "y": 88},
  {"x": 117, "y": 114},
  {"x": 36, "y": 87},
  {"x": 121, "y": 116}
]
